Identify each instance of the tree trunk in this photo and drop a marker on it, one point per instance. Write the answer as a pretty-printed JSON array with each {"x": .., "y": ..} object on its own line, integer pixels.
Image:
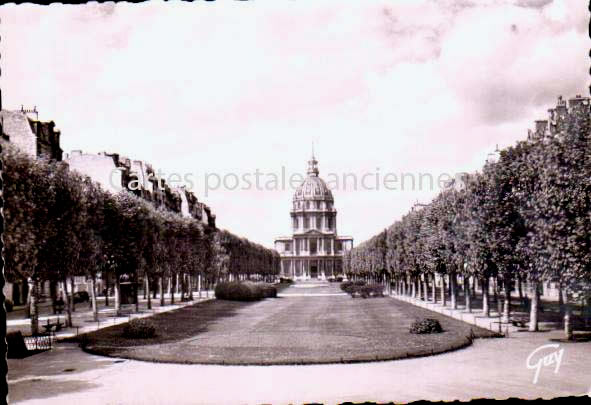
[
  {"x": 414, "y": 289},
  {"x": 23, "y": 289},
  {"x": 561, "y": 300},
  {"x": 443, "y": 300},
  {"x": 485, "y": 297},
  {"x": 507, "y": 299},
  {"x": 147, "y": 291},
  {"x": 117, "y": 295},
  {"x": 161, "y": 289},
  {"x": 176, "y": 283},
  {"x": 199, "y": 284},
  {"x": 190, "y": 288},
  {"x": 520, "y": 289},
  {"x": 53, "y": 294},
  {"x": 473, "y": 288},
  {"x": 533, "y": 310},
  {"x": 34, "y": 305},
  {"x": 68, "y": 303},
  {"x": 495, "y": 286},
  {"x": 587, "y": 311},
  {"x": 172, "y": 289},
  {"x": 454, "y": 290},
  {"x": 93, "y": 298},
  {"x": 106, "y": 289},
  {"x": 136, "y": 293},
  {"x": 434, "y": 289},
  {"x": 568, "y": 327},
  {"x": 467, "y": 295},
  {"x": 72, "y": 294},
  {"x": 169, "y": 285},
  {"x": 425, "y": 288}
]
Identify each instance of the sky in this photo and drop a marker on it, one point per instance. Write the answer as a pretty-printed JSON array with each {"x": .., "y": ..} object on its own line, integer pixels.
[{"x": 216, "y": 92}]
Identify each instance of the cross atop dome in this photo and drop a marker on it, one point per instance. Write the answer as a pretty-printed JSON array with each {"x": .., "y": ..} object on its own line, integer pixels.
[{"x": 313, "y": 165}]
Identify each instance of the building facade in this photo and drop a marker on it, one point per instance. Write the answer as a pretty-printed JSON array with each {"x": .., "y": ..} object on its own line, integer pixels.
[
  {"x": 38, "y": 139},
  {"x": 116, "y": 173},
  {"x": 314, "y": 250}
]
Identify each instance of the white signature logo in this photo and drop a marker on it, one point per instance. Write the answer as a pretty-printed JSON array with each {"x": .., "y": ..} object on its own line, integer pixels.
[{"x": 553, "y": 358}]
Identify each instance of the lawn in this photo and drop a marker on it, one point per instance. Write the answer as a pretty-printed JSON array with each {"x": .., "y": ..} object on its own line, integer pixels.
[{"x": 287, "y": 330}]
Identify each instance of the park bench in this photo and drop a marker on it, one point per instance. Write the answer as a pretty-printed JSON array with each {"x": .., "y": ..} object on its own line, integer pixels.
[
  {"x": 519, "y": 322},
  {"x": 20, "y": 346},
  {"x": 53, "y": 326}
]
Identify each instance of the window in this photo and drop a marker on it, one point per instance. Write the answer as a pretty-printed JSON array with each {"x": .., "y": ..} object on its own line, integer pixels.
[
  {"x": 317, "y": 205},
  {"x": 288, "y": 246},
  {"x": 306, "y": 222},
  {"x": 313, "y": 246},
  {"x": 328, "y": 246},
  {"x": 339, "y": 246},
  {"x": 308, "y": 204},
  {"x": 295, "y": 222},
  {"x": 318, "y": 222},
  {"x": 297, "y": 246},
  {"x": 329, "y": 223}
]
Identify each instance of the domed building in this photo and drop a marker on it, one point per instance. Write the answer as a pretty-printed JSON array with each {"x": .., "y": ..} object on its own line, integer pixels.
[{"x": 314, "y": 250}]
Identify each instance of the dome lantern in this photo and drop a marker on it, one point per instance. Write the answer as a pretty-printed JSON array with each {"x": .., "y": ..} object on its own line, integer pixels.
[{"x": 313, "y": 187}]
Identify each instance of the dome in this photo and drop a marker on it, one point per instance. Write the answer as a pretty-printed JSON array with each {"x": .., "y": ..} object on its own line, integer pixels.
[{"x": 313, "y": 187}]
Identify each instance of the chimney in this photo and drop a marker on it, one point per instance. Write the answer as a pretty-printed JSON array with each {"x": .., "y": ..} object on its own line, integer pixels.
[{"x": 31, "y": 114}]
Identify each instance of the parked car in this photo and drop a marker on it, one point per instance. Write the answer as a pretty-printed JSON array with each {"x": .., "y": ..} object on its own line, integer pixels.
[{"x": 81, "y": 296}]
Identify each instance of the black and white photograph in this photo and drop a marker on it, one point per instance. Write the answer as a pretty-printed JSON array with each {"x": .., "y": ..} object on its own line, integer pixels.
[{"x": 295, "y": 201}]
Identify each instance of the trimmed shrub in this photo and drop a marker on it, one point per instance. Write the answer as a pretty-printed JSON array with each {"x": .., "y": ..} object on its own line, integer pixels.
[
  {"x": 9, "y": 305},
  {"x": 346, "y": 285},
  {"x": 361, "y": 289},
  {"x": 285, "y": 280},
  {"x": 244, "y": 291},
  {"x": 371, "y": 290},
  {"x": 139, "y": 329},
  {"x": 267, "y": 290},
  {"x": 427, "y": 325},
  {"x": 81, "y": 296}
]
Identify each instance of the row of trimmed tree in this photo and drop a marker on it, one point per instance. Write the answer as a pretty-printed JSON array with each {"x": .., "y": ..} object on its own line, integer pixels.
[
  {"x": 526, "y": 217},
  {"x": 60, "y": 225}
]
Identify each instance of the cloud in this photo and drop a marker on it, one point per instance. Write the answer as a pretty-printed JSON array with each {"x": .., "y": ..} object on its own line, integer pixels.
[{"x": 403, "y": 86}]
